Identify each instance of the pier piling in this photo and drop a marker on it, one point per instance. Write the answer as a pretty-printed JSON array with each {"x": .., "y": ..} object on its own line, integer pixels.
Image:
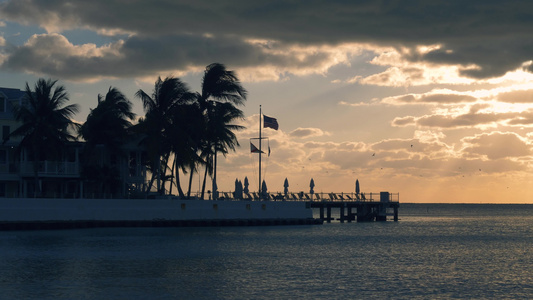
[{"x": 361, "y": 211}]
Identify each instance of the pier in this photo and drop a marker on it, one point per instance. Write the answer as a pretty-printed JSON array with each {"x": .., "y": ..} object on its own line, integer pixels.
[
  {"x": 362, "y": 207},
  {"x": 356, "y": 209}
]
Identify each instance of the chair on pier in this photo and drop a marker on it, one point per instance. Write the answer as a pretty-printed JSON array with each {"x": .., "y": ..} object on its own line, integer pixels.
[
  {"x": 255, "y": 195},
  {"x": 317, "y": 197},
  {"x": 349, "y": 197},
  {"x": 227, "y": 196},
  {"x": 357, "y": 197},
  {"x": 332, "y": 197},
  {"x": 248, "y": 196},
  {"x": 363, "y": 197},
  {"x": 341, "y": 197},
  {"x": 307, "y": 197},
  {"x": 294, "y": 196}
]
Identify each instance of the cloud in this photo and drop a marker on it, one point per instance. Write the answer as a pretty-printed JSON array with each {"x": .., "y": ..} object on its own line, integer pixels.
[
  {"x": 524, "y": 119},
  {"x": 475, "y": 161},
  {"x": 455, "y": 121},
  {"x": 414, "y": 147},
  {"x": 497, "y": 145},
  {"x": 54, "y": 55},
  {"x": 516, "y": 96},
  {"x": 307, "y": 133},
  {"x": 404, "y": 121},
  {"x": 482, "y": 40},
  {"x": 434, "y": 97}
]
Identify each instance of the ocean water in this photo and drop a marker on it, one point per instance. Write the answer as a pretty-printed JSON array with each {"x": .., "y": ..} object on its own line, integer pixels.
[{"x": 435, "y": 251}]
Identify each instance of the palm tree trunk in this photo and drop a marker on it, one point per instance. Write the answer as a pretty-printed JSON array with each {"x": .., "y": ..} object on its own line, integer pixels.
[
  {"x": 151, "y": 183},
  {"x": 190, "y": 181},
  {"x": 214, "y": 176},
  {"x": 162, "y": 173},
  {"x": 158, "y": 174},
  {"x": 177, "y": 175},
  {"x": 172, "y": 181},
  {"x": 203, "y": 184},
  {"x": 163, "y": 165}
]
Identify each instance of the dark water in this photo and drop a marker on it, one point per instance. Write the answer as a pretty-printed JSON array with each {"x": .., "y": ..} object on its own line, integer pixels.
[{"x": 433, "y": 252}]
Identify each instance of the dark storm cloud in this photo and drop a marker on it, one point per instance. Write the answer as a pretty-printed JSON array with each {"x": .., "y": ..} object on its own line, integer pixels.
[
  {"x": 54, "y": 55},
  {"x": 492, "y": 36}
]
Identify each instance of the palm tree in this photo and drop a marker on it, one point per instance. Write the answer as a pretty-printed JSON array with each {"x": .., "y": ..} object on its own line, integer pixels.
[
  {"x": 45, "y": 122},
  {"x": 221, "y": 133},
  {"x": 184, "y": 135},
  {"x": 157, "y": 123},
  {"x": 107, "y": 125},
  {"x": 219, "y": 86}
]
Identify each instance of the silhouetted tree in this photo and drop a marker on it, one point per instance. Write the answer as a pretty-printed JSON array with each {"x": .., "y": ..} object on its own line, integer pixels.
[
  {"x": 46, "y": 122},
  {"x": 184, "y": 135},
  {"x": 157, "y": 124},
  {"x": 105, "y": 132},
  {"x": 221, "y": 91}
]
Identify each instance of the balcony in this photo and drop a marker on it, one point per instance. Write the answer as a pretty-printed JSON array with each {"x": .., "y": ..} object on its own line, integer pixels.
[{"x": 51, "y": 169}]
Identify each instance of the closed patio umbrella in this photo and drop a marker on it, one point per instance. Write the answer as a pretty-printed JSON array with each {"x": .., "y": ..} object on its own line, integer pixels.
[{"x": 286, "y": 187}]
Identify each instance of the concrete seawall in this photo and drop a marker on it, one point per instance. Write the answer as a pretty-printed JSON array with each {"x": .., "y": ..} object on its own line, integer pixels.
[{"x": 75, "y": 213}]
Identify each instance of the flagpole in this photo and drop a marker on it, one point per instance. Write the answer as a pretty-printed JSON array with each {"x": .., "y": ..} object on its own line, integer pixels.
[{"x": 260, "y": 152}]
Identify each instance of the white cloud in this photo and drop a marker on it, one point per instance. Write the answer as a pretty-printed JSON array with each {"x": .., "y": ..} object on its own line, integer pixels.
[
  {"x": 437, "y": 96},
  {"x": 305, "y": 133},
  {"x": 402, "y": 72},
  {"x": 497, "y": 145}
]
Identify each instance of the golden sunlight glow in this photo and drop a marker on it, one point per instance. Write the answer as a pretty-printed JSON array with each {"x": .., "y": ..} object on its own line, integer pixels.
[
  {"x": 423, "y": 49},
  {"x": 402, "y": 72}
]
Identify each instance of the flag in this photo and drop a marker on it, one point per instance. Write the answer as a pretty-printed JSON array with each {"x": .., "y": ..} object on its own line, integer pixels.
[
  {"x": 254, "y": 149},
  {"x": 269, "y": 122}
]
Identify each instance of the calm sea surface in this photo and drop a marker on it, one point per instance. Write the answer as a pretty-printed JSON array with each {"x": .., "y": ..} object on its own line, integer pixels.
[{"x": 435, "y": 251}]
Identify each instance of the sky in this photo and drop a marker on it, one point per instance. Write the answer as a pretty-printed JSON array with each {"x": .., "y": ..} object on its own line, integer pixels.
[{"x": 429, "y": 99}]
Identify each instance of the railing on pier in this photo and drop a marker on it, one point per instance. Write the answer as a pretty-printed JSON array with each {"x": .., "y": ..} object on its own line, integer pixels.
[{"x": 314, "y": 197}]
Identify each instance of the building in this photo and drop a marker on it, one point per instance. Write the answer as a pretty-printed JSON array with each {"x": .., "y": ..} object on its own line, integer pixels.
[{"x": 64, "y": 175}]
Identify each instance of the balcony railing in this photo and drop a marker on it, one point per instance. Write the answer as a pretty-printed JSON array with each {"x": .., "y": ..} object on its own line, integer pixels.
[{"x": 51, "y": 168}]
